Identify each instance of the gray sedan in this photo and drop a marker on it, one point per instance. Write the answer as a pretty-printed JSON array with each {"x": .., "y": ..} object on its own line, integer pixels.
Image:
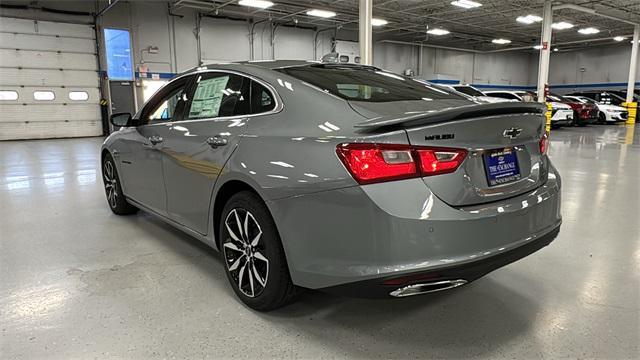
[{"x": 343, "y": 178}]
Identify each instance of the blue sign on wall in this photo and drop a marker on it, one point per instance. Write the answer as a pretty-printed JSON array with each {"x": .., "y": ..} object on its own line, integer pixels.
[{"x": 118, "y": 46}]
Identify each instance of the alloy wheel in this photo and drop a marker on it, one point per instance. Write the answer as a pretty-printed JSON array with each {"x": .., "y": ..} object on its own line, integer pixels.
[
  {"x": 110, "y": 183},
  {"x": 243, "y": 252}
]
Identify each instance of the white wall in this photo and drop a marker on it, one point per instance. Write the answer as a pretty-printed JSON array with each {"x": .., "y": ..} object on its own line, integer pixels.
[
  {"x": 443, "y": 64},
  {"x": 600, "y": 65}
]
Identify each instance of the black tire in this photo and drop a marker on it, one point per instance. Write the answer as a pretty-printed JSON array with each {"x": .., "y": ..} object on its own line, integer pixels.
[
  {"x": 602, "y": 118},
  {"x": 241, "y": 253},
  {"x": 113, "y": 190}
]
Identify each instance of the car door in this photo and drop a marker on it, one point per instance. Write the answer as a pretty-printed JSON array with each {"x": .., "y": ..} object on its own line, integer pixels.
[
  {"x": 144, "y": 179},
  {"x": 196, "y": 148}
]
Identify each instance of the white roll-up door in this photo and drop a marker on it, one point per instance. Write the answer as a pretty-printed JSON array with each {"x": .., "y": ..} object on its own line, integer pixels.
[{"x": 49, "y": 85}]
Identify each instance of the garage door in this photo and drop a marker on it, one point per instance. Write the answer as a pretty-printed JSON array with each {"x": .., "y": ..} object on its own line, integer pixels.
[{"x": 48, "y": 80}]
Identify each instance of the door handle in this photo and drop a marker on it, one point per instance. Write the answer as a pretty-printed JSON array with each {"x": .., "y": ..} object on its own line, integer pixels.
[
  {"x": 216, "y": 141},
  {"x": 155, "y": 139}
]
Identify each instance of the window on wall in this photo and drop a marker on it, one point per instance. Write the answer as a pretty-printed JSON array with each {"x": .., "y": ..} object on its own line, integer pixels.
[
  {"x": 44, "y": 95},
  {"x": 8, "y": 95},
  {"x": 118, "y": 48},
  {"x": 78, "y": 95}
]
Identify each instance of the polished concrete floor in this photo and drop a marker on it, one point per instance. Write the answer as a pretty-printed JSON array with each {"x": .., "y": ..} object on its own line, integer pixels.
[{"x": 77, "y": 281}]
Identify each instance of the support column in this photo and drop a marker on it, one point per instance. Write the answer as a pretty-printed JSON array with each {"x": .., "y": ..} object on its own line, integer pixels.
[
  {"x": 365, "y": 32},
  {"x": 543, "y": 64},
  {"x": 631, "y": 105}
]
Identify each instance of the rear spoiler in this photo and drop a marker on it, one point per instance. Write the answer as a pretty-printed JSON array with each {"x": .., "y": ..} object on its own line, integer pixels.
[{"x": 452, "y": 114}]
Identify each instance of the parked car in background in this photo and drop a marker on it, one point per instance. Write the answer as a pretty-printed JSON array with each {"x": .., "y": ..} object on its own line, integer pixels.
[
  {"x": 562, "y": 114},
  {"x": 476, "y": 94},
  {"x": 623, "y": 94},
  {"x": 606, "y": 113},
  {"x": 601, "y": 96},
  {"x": 583, "y": 113}
]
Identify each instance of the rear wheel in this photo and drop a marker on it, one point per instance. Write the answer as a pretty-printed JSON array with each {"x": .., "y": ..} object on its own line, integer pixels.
[
  {"x": 254, "y": 258},
  {"x": 113, "y": 189}
]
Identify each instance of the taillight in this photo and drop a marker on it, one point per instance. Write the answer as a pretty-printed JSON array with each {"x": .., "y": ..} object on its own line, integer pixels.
[
  {"x": 436, "y": 161},
  {"x": 370, "y": 163},
  {"x": 544, "y": 144}
]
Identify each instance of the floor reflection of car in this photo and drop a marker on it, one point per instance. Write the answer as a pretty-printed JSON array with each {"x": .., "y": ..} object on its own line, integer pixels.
[
  {"x": 562, "y": 114},
  {"x": 476, "y": 94},
  {"x": 606, "y": 113},
  {"x": 583, "y": 113},
  {"x": 338, "y": 177}
]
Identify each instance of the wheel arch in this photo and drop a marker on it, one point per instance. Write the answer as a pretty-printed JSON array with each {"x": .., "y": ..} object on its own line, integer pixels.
[{"x": 222, "y": 195}]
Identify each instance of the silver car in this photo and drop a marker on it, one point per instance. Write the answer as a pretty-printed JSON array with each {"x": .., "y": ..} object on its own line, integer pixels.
[{"x": 338, "y": 177}]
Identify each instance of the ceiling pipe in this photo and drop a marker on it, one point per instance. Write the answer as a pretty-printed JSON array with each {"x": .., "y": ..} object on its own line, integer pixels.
[
  {"x": 107, "y": 8},
  {"x": 593, "y": 12},
  {"x": 492, "y": 51}
]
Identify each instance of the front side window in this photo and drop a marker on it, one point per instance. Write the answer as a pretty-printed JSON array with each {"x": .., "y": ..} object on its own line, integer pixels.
[
  {"x": 167, "y": 104},
  {"x": 360, "y": 83},
  {"x": 218, "y": 95},
  {"x": 166, "y": 110}
]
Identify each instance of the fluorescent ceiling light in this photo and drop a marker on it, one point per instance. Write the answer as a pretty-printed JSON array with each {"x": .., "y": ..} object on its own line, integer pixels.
[
  {"x": 437, "y": 31},
  {"x": 619, "y": 38},
  {"x": 321, "y": 13},
  {"x": 529, "y": 19},
  {"x": 501, "y": 41},
  {"x": 379, "y": 22},
  {"x": 555, "y": 49},
  {"x": 538, "y": 47},
  {"x": 467, "y": 4},
  {"x": 256, "y": 3},
  {"x": 562, "y": 25},
  {"x": 588, "y": 31}
]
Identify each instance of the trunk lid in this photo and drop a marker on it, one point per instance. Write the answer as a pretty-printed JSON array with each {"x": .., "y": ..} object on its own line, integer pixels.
[{"x": 483, "y": 130}]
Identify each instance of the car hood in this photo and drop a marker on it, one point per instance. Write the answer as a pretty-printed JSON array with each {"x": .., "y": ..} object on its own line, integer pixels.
[{"x": 375, "y": 109}]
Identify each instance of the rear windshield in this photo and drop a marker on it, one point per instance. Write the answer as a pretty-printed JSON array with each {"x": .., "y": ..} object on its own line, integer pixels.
[
  {"x": 468, "y": 90},
  {"x": 368, "y": 84}
]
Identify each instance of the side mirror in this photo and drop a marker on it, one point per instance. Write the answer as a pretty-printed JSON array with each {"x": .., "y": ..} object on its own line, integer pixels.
[{"x": 121, "y": 119}]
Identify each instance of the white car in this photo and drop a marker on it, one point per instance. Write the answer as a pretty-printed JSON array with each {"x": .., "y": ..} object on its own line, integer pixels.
[
  {"x": 606, "y": 112},
  {"x": 476, "y": 94},
  {"x": 562, "y": 114}
]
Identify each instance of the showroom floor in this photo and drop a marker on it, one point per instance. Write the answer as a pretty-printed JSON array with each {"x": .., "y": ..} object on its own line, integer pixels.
[{"x": 77, "y": 281}]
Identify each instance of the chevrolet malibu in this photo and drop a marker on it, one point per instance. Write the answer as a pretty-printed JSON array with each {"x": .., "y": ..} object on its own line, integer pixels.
[{"x": 343, "y": 178}]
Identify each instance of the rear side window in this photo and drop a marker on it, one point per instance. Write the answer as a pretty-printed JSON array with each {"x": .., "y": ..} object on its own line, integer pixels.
[
  {"x": 261, "y": 99},
  {"x": 360, "y": 83},
  {"x": 219, "y": 94}
]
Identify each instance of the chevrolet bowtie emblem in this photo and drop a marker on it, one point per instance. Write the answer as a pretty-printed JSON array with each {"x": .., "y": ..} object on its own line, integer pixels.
[{"x": 512, "y": 132}]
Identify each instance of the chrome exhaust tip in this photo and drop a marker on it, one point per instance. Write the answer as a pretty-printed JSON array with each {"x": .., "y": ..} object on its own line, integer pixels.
[{"x": 417, "y": 289}]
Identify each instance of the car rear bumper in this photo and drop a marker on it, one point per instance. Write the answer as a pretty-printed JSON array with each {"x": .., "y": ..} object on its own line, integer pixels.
[
  {"x": 444, "y": 277},
  {"x": 378, "y": 231}
]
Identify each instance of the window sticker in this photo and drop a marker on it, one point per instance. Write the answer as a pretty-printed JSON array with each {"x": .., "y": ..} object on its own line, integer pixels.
[{"x": 208, "y": 96}]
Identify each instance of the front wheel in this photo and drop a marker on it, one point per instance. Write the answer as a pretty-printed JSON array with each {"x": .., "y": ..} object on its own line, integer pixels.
[
  {"x": 602, "y": 118},
  {"x": 254, "y": 258},
  {"x": 113, "y": 188}
]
